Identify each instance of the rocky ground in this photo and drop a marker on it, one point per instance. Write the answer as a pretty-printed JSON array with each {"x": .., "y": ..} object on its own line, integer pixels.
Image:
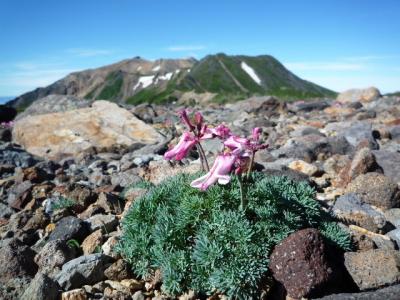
[{"x": 60, "y": 210}]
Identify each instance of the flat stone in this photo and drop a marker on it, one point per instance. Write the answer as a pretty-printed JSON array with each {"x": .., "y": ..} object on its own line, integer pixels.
[
  {"x": 41, "y": 287},
  {"x": 69, "y": 228},
  {"x": 373, "y": 269},
  {"x": 393, "y": 216},
  {"x": 376, "y": 189},
  {"x": 53, "y": 256},
  {"x": 350, "y": 209},
  {"x": 390, "y": 163},
  {"x": 303, "y": 167},
  {"x": 107, "y": 223},
  {"x": 387, "y": 293},
  {"x": 87, "y": 269}
]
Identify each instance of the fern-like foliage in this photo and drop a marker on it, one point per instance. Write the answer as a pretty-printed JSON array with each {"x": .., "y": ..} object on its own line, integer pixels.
[{"x": 202, "y": 241}]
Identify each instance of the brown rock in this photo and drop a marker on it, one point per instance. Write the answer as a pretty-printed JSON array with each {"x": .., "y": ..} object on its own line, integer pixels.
[
  {"x": 20, "y": 195},
  {"x": 92, "y": 242},
  {"x": 303, "y": 167},
  {"x": 82, "y": 195},
  {"x": 118, "y": 271},
  {"x": 364, "y": 161},
  {"x": 77, "y": 294},
  {"x": 111, "y": 203},
  {"x": 35, "y": 175},
  {"x": 132, "y": 284},
  {"x": 373, "y": 268},
  {"x": 362, "y": 95},
  {"x": 376, "y": 189},
  {"x": 300, "y": 263}
]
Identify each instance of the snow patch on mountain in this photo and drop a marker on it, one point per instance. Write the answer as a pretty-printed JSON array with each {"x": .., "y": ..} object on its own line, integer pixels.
[
  {"x": 145, "y": 81},
  {"x": 250, "y": 71},
  {"x": 156, "y": 68}
]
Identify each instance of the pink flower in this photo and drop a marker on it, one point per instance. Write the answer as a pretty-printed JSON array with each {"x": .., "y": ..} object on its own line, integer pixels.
[
  {"x": 185, "y": 144},
  {"x": 220, "y": 131},
  {"x": 238, "y": 145},
  {"x": 256, "y": 134},
  {"x": 185, "y": 119},
  {"x": 219, "y": 172}
]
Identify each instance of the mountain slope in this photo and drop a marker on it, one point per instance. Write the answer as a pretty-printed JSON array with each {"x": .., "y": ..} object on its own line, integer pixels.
[
  {"x": 257, "y": 75},
  {"x": 137, "y": 80},
  {"x": 116, "y": 82}
]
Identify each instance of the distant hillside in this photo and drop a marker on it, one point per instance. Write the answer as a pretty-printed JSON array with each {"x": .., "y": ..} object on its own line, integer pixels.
[
  {"x": 137, "y": 80},
  {"x": 249, "y": 75},
  {"x": 395, "y": 94}
]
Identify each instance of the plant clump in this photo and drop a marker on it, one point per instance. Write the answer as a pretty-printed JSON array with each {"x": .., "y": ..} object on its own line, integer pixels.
[{"x": 201, "y": 241}]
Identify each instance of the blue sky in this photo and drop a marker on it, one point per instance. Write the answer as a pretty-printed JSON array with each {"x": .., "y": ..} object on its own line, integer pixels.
[{"x": 338, "y": 44}]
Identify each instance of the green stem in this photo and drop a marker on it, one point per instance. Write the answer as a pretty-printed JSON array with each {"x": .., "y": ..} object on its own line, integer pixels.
[
  {"x": 201, "y": 157},
  {"x": 243, "y": 202},
  {"x": 201, "y": 150},
  {"x": 251, "y": 165}
]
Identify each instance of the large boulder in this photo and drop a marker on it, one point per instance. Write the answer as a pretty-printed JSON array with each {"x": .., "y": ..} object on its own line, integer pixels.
[
  {"x": 52, "y": 104},
  {"x": 363, "y": 95},
  {"x": 56, "y": 135}
]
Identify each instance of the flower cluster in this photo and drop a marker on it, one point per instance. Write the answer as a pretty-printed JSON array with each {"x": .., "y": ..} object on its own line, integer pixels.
[
  {"x": 237, "y": 155},
  {"x": 7, "y": 124}
]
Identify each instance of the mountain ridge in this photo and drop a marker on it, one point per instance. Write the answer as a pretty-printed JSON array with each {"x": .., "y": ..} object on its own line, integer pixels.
[{"x": 137, "y": 80}]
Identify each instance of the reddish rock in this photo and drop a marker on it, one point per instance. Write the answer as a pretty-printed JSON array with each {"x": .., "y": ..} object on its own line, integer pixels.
[
  {"x": 300, "y": 263},
  {"x": 35, "y": 175},
  {"x": 20, "y": 195},
  {"x": 364, "y": 161}
]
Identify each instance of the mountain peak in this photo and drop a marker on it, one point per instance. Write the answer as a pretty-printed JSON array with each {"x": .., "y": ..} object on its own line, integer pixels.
[{"x": 138, "y": 80}]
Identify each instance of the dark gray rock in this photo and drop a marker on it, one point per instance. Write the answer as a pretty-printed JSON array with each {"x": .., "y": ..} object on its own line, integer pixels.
[
  {"x": 11, "y": 154},
  {"x": 358, "y": 132},
  {"x": 52, "y": 104},
  {"x": 53, "y": 255},
  {"x": 308, "y": 106},
  {"x": 395, "y": 132},
  {"x": 14, "y": 288},
  {"x": 387, "y": 293},
  {"x": 395, "y": 236},
  {"x": 41, "y": 287},
  {"x": 390, "y": 163},
  {"x": 393, "y": 216},
  {"x": 350, "y": 209},
  {"x": 69, "y": 228},
  {"x": 5, "y": 134},
  {"x": 88, "y": 269},
  {"x": 16, "y": 259},
  {"x": 306, "y": 148}
]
